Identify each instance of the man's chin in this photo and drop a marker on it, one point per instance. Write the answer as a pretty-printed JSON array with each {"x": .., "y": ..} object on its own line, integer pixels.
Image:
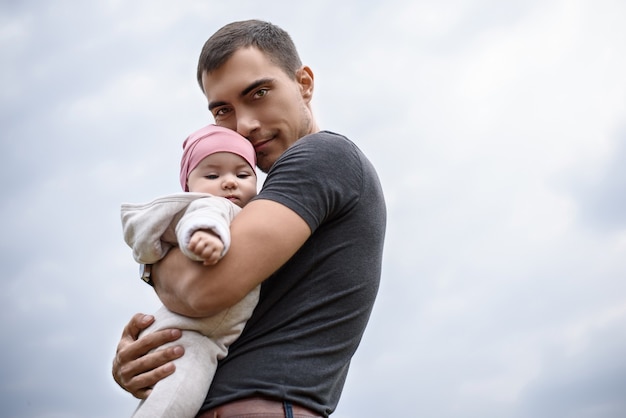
[{"x": 263, "y": 164}]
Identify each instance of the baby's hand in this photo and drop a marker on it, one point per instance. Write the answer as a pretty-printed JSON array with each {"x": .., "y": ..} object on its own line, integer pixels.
[{"x": 206, "y": 245}]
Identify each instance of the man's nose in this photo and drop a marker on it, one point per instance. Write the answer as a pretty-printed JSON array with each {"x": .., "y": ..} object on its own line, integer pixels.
[{"x": 247, "y": 123}]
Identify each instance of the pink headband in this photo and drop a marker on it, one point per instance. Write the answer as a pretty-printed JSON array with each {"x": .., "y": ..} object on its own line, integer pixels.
[{"x": 209, "y": 140}]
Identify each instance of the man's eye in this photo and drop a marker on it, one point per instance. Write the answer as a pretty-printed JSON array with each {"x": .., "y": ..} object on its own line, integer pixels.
[
  {"x": 261, "y": 92},
  {"x": 221, "y": 111}
]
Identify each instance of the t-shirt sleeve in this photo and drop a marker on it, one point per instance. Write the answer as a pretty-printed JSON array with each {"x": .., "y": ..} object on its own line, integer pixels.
[{"x": 319, "y": 178}]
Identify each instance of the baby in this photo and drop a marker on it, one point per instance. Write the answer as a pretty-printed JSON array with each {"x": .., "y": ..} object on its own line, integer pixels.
[{"x": 218, "y": 178}]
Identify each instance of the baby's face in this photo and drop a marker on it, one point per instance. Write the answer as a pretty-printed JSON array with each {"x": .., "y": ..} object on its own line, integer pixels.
[{"x": 226, "y": 175}]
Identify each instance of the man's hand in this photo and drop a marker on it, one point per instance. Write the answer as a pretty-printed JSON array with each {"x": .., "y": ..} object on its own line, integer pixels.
[
  {"x": 206, "y": 245},
  {"x": 134, "y": 368}
]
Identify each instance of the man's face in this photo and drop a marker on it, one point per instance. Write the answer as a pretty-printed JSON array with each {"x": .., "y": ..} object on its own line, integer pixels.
[{"x": 255, "y": 97}]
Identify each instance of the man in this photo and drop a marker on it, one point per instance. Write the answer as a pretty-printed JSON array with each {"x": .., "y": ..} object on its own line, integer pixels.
[{"x": 313, "y": 237}]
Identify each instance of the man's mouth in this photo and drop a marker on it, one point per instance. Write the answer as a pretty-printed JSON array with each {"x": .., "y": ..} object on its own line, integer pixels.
[{"x": 259, "y": 145}]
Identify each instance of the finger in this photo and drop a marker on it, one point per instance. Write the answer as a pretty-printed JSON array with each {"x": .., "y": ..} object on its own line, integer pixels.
[
  {"x": 197, "y": 246},
  {"x": 211, "y": 261},
  {"x": 211, "y": 256},
  {"x": 135, "y": 370},
  {"x": 140, "y": 385},
  {"x": 138, "y": 323}
]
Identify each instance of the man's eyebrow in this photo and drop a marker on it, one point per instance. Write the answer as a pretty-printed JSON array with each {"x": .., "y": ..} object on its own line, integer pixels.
[
  {"x": 255, "y": 85},
  {"x": 244, "y": 92},
  {"x": 213, "y": 105}
]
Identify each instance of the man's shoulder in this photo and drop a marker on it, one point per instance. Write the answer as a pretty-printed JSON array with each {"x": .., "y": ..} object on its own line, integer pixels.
[
  {"x": 325, "y": 140},
  {"x": 325, "y": 135}
]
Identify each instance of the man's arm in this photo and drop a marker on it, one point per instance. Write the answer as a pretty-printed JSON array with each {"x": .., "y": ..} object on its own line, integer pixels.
[{"x": 264, "y": 235}]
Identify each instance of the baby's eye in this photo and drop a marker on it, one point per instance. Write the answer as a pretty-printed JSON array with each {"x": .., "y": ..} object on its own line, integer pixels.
[{"x": 211, "y": 176}]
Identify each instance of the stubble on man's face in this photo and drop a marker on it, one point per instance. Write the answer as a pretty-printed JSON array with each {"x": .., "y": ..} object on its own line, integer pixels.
[
  {"x": 302, "y": 126},
  {"x": 284, "y": 116}
]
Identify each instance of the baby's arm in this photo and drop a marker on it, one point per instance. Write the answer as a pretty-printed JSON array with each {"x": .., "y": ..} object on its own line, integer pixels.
[
  {"x": 211, "y": 215},
  {"x": 206, "y": 245},
  {"x": 149, "y": 228}
]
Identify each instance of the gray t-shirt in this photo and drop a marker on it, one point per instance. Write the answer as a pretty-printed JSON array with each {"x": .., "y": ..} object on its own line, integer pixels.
[{"x": 312, "y": 312}]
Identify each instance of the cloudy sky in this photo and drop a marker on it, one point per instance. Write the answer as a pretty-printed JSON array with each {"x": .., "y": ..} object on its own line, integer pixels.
[{"x": 499, "y": 132}]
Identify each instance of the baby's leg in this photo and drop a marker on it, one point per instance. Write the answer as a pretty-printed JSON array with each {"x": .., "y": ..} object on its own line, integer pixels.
[{"x": 182, "y": 393}]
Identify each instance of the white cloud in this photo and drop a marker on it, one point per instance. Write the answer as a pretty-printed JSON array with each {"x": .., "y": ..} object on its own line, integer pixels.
[{"x": 497, "y": 129}]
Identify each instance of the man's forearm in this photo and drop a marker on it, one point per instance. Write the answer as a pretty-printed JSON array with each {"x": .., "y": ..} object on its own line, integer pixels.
[
  {"x": 264, "y": 235},
  {"x": 173, "y": 280}
]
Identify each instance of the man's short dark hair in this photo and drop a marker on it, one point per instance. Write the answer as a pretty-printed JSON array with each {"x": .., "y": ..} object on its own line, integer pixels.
[{"x": 273, "y": 41}]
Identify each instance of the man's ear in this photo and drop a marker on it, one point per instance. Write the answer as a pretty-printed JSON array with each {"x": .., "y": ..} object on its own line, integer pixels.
[{"x": 305, "y": 78}]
